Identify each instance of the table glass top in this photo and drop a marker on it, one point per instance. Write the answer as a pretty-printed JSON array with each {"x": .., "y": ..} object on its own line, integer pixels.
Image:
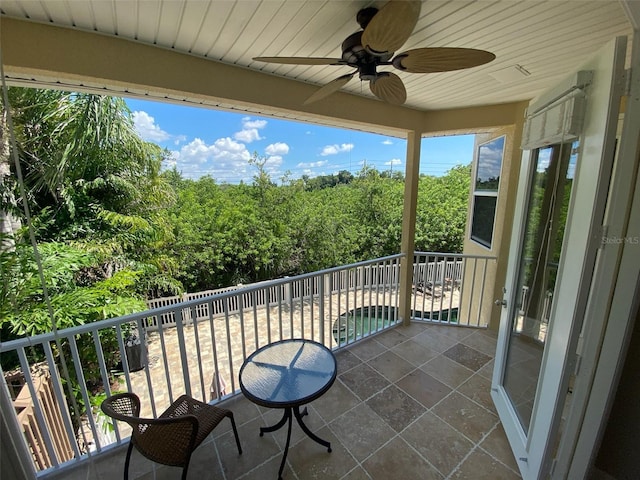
[{"x": 288, "y": 372}]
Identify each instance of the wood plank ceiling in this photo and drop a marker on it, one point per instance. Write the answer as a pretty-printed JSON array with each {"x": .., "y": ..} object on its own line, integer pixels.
[{"x": 548, "y": 39}]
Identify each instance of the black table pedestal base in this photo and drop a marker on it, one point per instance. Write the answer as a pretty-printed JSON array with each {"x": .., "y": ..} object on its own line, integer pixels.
[{"x": 286, "y": 418}]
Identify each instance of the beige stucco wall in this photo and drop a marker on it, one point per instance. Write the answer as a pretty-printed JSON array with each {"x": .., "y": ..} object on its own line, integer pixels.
[{"x": 507, "y": 191}]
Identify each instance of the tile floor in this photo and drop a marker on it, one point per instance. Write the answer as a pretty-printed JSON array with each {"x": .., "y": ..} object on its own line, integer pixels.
[{"x": 410, "y": 403}]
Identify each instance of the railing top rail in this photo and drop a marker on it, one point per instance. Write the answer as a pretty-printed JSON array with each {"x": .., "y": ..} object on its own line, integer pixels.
[
  {"x": 134, "y": 317},
  {"x": 281, "y": 281},
  {"x": 454, "y": 255}
]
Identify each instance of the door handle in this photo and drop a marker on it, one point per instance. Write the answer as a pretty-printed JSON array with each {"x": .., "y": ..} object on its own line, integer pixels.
[{"x": 500, "y": 303}]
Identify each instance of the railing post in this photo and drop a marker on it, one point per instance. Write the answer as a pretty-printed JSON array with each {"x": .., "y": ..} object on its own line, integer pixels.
[
  {"x": 321, "y": 294},
  {"x": 287, "y": 291},
  {"x": 183, "y": 353}
]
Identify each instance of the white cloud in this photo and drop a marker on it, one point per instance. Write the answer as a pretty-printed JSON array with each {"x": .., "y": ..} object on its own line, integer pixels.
[
  {"x": 272, "y": 166},
  {"x": 490, "y": 159},
  {"x": 224, "y": 159},
  {"x": 195, "y": 151},
  {"x": 226, "y": 148},
  {"x": 248, "y": 123},
  {"x": 278, "y": 148},
  {"x": 249, "y": 132},
  {"x": 179, "y": 139},
  {"x": 320, "y": 163},
  {"x": 146, "y": 127},
  {"x": 387, "y": 142},
  {"x": 335, "y": 149},
  {"x": 247, "y": 135},
  {"x": 273, "y": 162},
  {"x": 393, "y": 161}
]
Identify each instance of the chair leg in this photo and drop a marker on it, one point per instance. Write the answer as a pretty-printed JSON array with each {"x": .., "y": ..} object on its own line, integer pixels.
[
  {"x": 235, "y": 432},
  {"x": 126, "y": 462},
  {"x": 185, "y": 469}
]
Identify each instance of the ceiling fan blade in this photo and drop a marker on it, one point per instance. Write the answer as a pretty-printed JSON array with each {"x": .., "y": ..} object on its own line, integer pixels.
[
  {"x": 329, "y": 88},
  {"x": 390, "y": 28},
  {"x": 301, "y": 60},
  {"x": 389, "y": 88},
  {"x": 431, "y": 60}
]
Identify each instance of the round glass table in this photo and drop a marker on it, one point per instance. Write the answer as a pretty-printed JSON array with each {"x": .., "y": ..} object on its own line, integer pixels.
[{"x": 288, "y": 374}]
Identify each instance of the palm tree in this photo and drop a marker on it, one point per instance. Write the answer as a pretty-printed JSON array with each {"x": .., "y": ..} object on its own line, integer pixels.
[
  {"x": 91, "y": 180},
  {"x": 9, "y": 223}
]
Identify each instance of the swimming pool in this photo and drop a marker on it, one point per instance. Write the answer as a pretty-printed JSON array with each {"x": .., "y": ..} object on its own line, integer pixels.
[{"x": 363, "y": 321}]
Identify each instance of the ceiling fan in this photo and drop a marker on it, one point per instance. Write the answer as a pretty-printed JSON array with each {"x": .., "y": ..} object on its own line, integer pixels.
[{"x": 383, "y": 32}]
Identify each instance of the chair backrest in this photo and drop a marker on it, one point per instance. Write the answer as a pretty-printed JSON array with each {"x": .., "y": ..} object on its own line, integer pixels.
[
  {"x": 169, "y": 441},
  {"x": 122, "y": 406}
]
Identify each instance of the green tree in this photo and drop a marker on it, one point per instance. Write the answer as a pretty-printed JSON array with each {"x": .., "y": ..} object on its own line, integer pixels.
[
  {"x": 25, "y": 312},
  {"x": 97, "y": 198},
  {"x": 228, "y": 234},
  {"x": 322, "y": 230},
  {"x": 442, "y": 208},
  {"x": 93, "y": 181},
  {"x": 377, "y": 213}
]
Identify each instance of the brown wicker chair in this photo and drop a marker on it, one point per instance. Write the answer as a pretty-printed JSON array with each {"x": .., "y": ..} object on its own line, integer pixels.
[{"x": 171, "y": 438}]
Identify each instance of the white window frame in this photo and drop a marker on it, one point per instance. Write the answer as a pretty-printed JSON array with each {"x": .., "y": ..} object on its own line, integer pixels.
[{"x": 486, "y": 193}]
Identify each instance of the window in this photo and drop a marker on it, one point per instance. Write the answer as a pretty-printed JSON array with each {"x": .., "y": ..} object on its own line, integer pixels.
[{"x": 485, "y": 190}]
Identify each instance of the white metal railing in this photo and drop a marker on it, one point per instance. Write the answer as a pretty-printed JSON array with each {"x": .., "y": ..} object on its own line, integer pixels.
[
  {"x": 450, "y": 288},
  {"x": 270, "y": 293},
  {"x": 201, "y": 358},
  {"x": 197, "y": 346}
]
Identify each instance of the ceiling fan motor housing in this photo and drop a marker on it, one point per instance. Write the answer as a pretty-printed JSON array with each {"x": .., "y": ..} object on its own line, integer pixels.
[
  {"x": 359, "y": 57},
  {"x": 352, "y": 50}
]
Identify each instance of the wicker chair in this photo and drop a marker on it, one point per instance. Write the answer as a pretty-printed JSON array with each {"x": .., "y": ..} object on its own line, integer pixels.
[{"x": 171, "y": 438}]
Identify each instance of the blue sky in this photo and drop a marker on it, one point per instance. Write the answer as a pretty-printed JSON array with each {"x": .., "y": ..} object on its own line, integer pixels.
[{"x": 219, "y": 143}]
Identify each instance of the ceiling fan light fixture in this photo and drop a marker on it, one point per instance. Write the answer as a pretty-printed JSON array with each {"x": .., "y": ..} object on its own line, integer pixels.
[{"x": 368, "y": 72}]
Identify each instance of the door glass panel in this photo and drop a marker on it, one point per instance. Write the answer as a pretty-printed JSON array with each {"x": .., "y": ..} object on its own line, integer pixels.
[{"x": 538, "y": 269}]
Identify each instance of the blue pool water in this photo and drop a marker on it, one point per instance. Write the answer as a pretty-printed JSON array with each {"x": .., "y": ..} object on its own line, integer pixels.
[{"x": 363, "y": 321}]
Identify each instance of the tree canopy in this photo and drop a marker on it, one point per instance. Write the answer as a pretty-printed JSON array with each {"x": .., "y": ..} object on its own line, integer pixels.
[{"x": 229, "y": 234}]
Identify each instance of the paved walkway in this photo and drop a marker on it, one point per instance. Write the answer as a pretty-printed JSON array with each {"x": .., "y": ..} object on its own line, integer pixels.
[{"x": 221, "y": 344}]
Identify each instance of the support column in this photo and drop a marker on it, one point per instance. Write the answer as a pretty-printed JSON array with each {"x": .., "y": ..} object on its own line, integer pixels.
[{"x": 412, "y": 175}]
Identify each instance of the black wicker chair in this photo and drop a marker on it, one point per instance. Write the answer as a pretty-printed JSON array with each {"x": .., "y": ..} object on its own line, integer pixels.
[{"x": 171, "y": 438}]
